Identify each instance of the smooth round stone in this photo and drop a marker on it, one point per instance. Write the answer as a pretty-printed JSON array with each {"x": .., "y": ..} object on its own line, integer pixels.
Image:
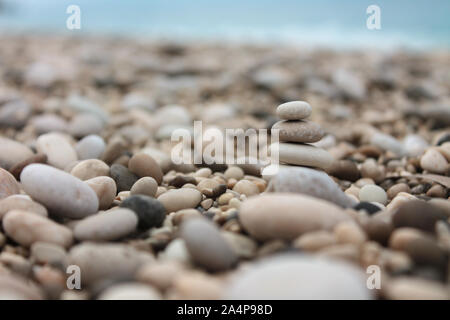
[
  {"x": 388, "y": 143},
  {"x": 14, "y": 114},
  {"x": 150, "y": 212},
  {"x": 299, "y": 131},
  {"x": 310, "y": 182},
  {"x": 123, "y": 177},
  {"x": 16, "y": 202},
  {"x": 88, "y": 169},
  {"x": 159, "y": 274},
  {"x": 287, "y": 216},
  {"x": 130, "y": 291},
  {"x": 160, "y": 157},
  {"x": 434, "y": 161},
  {"x": 100, "y": 262},
  {"x": 57, "y": 148},
  {"x": 234, "y": 173},
  {"x": 146, "y": 186},
  {"x": 114, "y": 149},
  {"x": 344, "y": 170},
  {"x": 185, "y": 198},
  {"x": 303, "y": 155},
  {"x": 418, "y": 214},
  {"x": 8, "y": 184},
  {"x": 414, "y": 145},
  {"x": 61, "y": 193},
  {"x": 396, "y": 189},
  {"x": 84, "y": 124},
  {"x": 27, "y": 228},
  {"x": 12, "y": 152},
  {"x": 294, "y": 110},
  {"x": 298, "y": 277},
  {"x": 90, "y": 147},
  {"x": 13, "y": 287},
  {"x": 106, "y": 226},
  {"x": 144, "y": 165},
  {"x": 48, "y": 253},
  {"x": 410, "y": 288},
  {"x": 16, "y": 169},
  {"x": 246, "y": 187},
  {"x": 206, "y": 245},
  {"x": 373, "y": 193},
  {"x": 49, "y": 123},
  {"x": 106, "y": 190}
]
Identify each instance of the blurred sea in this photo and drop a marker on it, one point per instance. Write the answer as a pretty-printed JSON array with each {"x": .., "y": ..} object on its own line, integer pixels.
[{"x": 419, "y": 24}]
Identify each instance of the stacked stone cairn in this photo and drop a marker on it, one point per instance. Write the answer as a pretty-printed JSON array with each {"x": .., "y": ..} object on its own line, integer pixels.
[{"x": 295, "y": 135}]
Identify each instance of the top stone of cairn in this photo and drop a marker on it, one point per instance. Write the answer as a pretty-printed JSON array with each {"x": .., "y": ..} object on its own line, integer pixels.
[{"x": 294, "y": 110}]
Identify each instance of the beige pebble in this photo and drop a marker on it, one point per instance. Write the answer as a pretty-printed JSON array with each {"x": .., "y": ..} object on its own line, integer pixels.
[
  {"x": 437, "y": 191},
  {"x": 402, "y": 236},
  {"x": 8, "y": 184},
  {"x": 130, "y": 291},
  {"x": 207, "y": 184},
  {"x": 16, "y": 202},
  {"x": 314, "y": 241},
  {"x": 27, "y": 228},
  {"x": 396, "y": 189},
  {"x": 48, "y": 253},
  {"x": 203, "y": 172},
  {"x": 57, "y": 148},
  {"x": 303, "y": 155},
  {"x": 146, "y": 186},
  {"x": 91, "y": 168},
  {"x": 294, "y": 110},
  {"x": 105, "y": 189},
  {"x": 409, "y": 288},
  {"x": 13, "y": 287},
  {"x": 234, "y": 173},
  {"x": 13, "y": 152},
  {"x": 196, "y": 286},
  {"x": 144, "y": 165},
  {"x": 160, "y": 274},
  {"x": 246, "y": 187},
  {"x": 178, "y": 199},
  {"x": 349, "y": 232},
  {"x": 181, "y": 215},
  {"x": 225, "y": 198},
  {"x": 433, "y": 161},
  {"x": 299, "y": 131}
]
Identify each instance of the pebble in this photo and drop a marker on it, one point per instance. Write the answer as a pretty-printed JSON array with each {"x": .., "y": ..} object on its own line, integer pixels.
[
  {"x": 61, "y": 193},
  {"x": 388, "y": 143},
  {"x": 246, "y": 187},
  {"x": 123, "y": 177},
  {"x": 88, "y": 169},
  {"x": 367, "y": 206},
  {"x": 196, "y": 286},
  {"x": 90, "y": 147},
  {"x": 48, "y": 253},
  {"x": 16, "y": 202},
  {"x": 297, "y": 277},
  {"x": 418, "y": 214},
  {"x": 396, "y": 189},
  {"x": 234, "y": 173},
  {"x": 130, "y": 291},
  {"x": 373, "y": 193},
  {"x": 84, "y": 124},
  {"x": 243, "y": 246},
  {"x": 437, "y": 191},
  {"x": 144, "y": 165},
  {"x": 57, "y": 148},
  {"x": 85, "y": 105},
  {"x": 370, "y": 169},
  {"x": 314, "y": 241},
  {"x": 350, "y": 85},
  {"x": 16, "y": 170},
  {"x": 111, "y": 262},
  {"x": 179, "y": 216},
  {"x": 12, "y": 152},
  {"x": 294, "y": 110},
  {"x": 434, "y": 161},
  {"x": 106, "y": 226},
  {"x": 414, "y": 145},
  {"x": 349, "y": 232},
  {"x": 14, "y": 114},
  {"x": 159, "y": 274},
  {"x": 46, "y": 123},
  {"x": 27, "y": 228},
  {"x": 310, "y": 182},
  {"x": 105, "y": 189},
  {"x": 174, "y": 200},
  {"x": 176, "y": 251},
  {"x": 8, "y": 184},
  {"x": 287, "y": 216},
  {"x": 410, "y": 288},
  {"x": 303, "y": 155},
  {"x": 146, "y": 186},
  {"x": 206, "y": 245},
  {"x": 114, "y": 149},
  {"x": 14, "y": 287},
  {"x": 344, "y": 170},
  {"x": 299, "y": 131},
  {"x": 150, "y": 212}
]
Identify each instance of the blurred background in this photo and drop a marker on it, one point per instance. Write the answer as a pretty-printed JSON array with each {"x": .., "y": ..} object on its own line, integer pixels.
[{"x": 405, "y": 23}]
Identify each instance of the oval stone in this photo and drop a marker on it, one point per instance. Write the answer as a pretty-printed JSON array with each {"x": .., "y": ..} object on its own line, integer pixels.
[
  {"x": 60, "y": 192},
  {"x": 294, "y": 110},
  {"x": 144, "y": 165},
  {"x": 106, "y": 226},
  {"x": 174, "y": 200},
  {"x": 303, "y": 155},
  {"x": 57, "y": 148},
  {"x": 8, "y": 184},
  {"x": 16, "y": 202},
  {"x": 12, "y": 152},
  {"x": 106, "y": 190},
  {"x": 90, "y": 147},
  {"x": 88, "y": 169},
  {"x": 299, "y": 131},
  {"x": 150, "y": 212},
  {"x": 287, "y": 216}
]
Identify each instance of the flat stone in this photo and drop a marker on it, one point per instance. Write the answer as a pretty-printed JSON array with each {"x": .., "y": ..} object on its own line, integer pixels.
[
  {"x": 12, "y": 152},
  {"x": 206, "y": 245},
  {"x": 303, "y": 155},
  {"x": 287, "y": 216},
  {"x": 27, "y": 228},
  {"x": 144, "y": 165},
  {"x": 90, "y": 147},
  {"x": 60, "y": 192},
  {"x": 105, "y": 188},
  {"x": 106, "y": 226},
  {"x": 174, "y": 200},
  {"x": 297, "y": 277},
  {"x": 16, "y": 202},
  {"x": 299, "y": 131},
  {"x": 123, "y": 177},
  {"x": 91, "y": 168},
  {"x": 310, "y": 182},
  {"x": 294, "y": 110},
  {"x": 57, "y": 148},
  {"x": 150, "y": 212},
  {"x": 8, "y": 184}
]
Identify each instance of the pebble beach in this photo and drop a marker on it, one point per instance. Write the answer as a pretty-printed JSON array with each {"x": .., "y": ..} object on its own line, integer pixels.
[{"x": 87, "y": 179}]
